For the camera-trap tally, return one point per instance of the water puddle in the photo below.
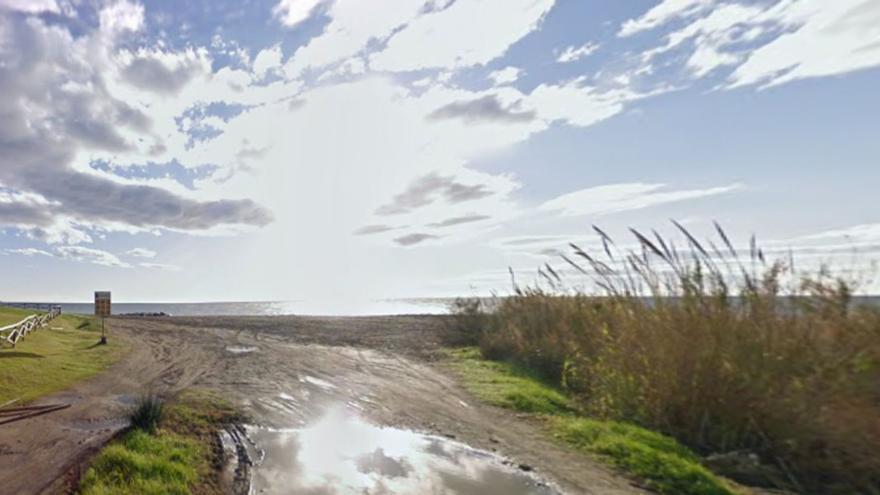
(239, 349)
(324, 384)
(341, 454)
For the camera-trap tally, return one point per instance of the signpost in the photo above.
(102, 309)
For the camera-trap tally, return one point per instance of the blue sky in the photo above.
(341, 150)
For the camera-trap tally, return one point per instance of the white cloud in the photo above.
(161, 266)
(662, 13)
(30, 6)
(615, 198)
(575, 53)
(141, 253)
(459, 35)
(506, 75)
(267, 60)
(293, 12)
(769, 44)
(353, 23)
(822, 39)
(29, 252)
(89, 255)
(120, 16)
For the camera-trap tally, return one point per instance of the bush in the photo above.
(147, 413)
(721, 351)
(467, 322)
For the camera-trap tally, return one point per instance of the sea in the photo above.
(412, 306)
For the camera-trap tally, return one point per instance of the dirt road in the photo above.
(285, 372)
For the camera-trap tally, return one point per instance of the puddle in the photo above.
(324, 384)
(238, 349)
(341, 454)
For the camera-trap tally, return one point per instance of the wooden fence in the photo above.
(17, 331)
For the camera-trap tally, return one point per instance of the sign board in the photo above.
(102, 303)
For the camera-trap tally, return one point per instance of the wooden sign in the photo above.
(102, 303)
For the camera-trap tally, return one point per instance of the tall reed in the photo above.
(721, 349)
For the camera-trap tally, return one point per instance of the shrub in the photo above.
(723, 351)
(147, 413)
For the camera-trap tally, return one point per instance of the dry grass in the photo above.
(720, 352)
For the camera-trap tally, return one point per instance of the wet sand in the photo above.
(410, 427)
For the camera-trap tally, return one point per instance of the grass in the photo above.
(147, 413)
(505, 385)
(665, 465)
(50, 360)
(140, 463)
(8, 315)
(716, 346)
(179, 457)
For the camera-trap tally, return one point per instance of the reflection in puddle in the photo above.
(341, 454)
(324, 384)
(240, 349)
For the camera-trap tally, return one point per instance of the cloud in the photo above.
(616, 198)
(449, 222)
(767, 44)
(30, 6)
(267, 60)
(662, 13)
(484, 109)
(413, 239)
(506, 75)
(373, 229)
(29, 252)
(353, 24)
(575, 53)
(160, 266)
(425, 190)
(460, 36)
(58, 107)
(89, 255)
(821, 39)
(121, 16)
(293, 12)
(141, 253)
(151, 72)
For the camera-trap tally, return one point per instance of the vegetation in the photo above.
(665, 465)
(52, 358)
(147, 413)
(177, 456)
(722, 350)
(8, 315)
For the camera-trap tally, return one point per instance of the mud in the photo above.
(290, 374)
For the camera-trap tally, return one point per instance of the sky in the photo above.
(345, 150)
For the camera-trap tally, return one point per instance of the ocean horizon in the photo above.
(262, 308)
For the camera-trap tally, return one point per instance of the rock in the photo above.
(745, 467)
(525, 467)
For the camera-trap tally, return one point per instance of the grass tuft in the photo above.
(147, 413)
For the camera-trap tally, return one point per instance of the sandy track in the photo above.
(380, 366)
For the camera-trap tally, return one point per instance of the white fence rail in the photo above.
(17, 331)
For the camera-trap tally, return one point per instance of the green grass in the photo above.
(665, 465)
(8, 316)
(48, 360)
(140, 463)
(179, 458)
(505, 385)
